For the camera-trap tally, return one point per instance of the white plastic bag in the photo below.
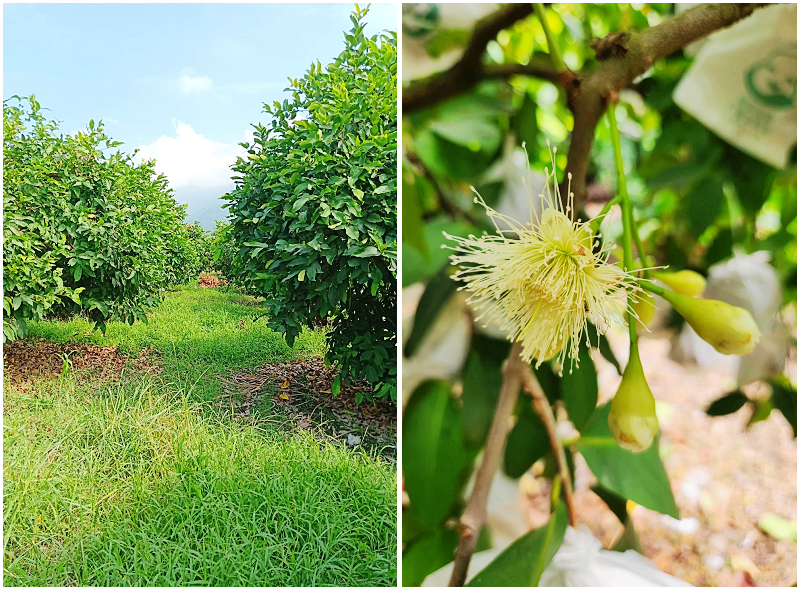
(743, 84)
(580, 562)
(442, 352)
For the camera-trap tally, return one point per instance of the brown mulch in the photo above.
(24, 360)
(302, 391)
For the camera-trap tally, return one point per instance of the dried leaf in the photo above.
(285, 384)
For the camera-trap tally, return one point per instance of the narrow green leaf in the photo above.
(784, 398)
(527, 441)
(523, 562)
(481, 380)
(427, 553)
(579, 389)
(605, 349)
(727, 404)
(434, 454)
(704, 203)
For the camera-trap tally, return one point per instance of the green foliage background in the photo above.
(85, 229)
(697, 198)
(313, 215)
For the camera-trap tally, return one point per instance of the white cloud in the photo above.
(190, 84)
(189, 159)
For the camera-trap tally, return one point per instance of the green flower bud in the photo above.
(632, 418)
(685, 282)
(729, 329)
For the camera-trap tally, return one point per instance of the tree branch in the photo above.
(545, 412)
(475, 511)
(632, 56)
(468, 70)
(538, 67)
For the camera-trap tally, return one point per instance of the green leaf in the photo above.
(419, 267)
(481, 380)
(427, 553)
(777, 527)
(549, 380)
(704, 203)
(727, 404)
(438, 292)
(579, 389)
(298, 204)
(618, 505)
(448, 159)
(525, 125)
(522, 563)
(413, 224)
(761, 411)
(527, 442)
(721, 248)
(608, 354)
(636, 476)
(474, 134)
(434, 454)
(784, 398)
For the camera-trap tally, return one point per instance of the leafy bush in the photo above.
(224, 250)
(313, 212)
(83, 229)
(190, 254)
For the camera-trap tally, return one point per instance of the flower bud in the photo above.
(685, 282)
(632, 419)
(729, 329)
(645, 308)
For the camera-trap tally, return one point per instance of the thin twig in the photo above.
(545, 412)
(475, 511)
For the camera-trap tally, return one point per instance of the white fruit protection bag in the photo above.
(580, 562)
(743, 84)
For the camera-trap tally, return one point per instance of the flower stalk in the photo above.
(627, 215)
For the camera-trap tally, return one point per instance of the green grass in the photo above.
(199, 333)
(139, 482)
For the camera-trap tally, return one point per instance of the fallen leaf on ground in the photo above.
(741, 563)
(777, 527)
(285, 384)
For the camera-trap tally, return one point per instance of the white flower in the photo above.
(544, 280)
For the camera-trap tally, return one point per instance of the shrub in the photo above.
(190, 254)
(314, 208)
(84, 229)
(224, 251)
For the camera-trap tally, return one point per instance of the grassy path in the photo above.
(138, 481)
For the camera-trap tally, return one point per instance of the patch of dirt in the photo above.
(301, 390)
(210, 280)
(31, 358)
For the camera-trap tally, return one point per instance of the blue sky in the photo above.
(183, 82)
